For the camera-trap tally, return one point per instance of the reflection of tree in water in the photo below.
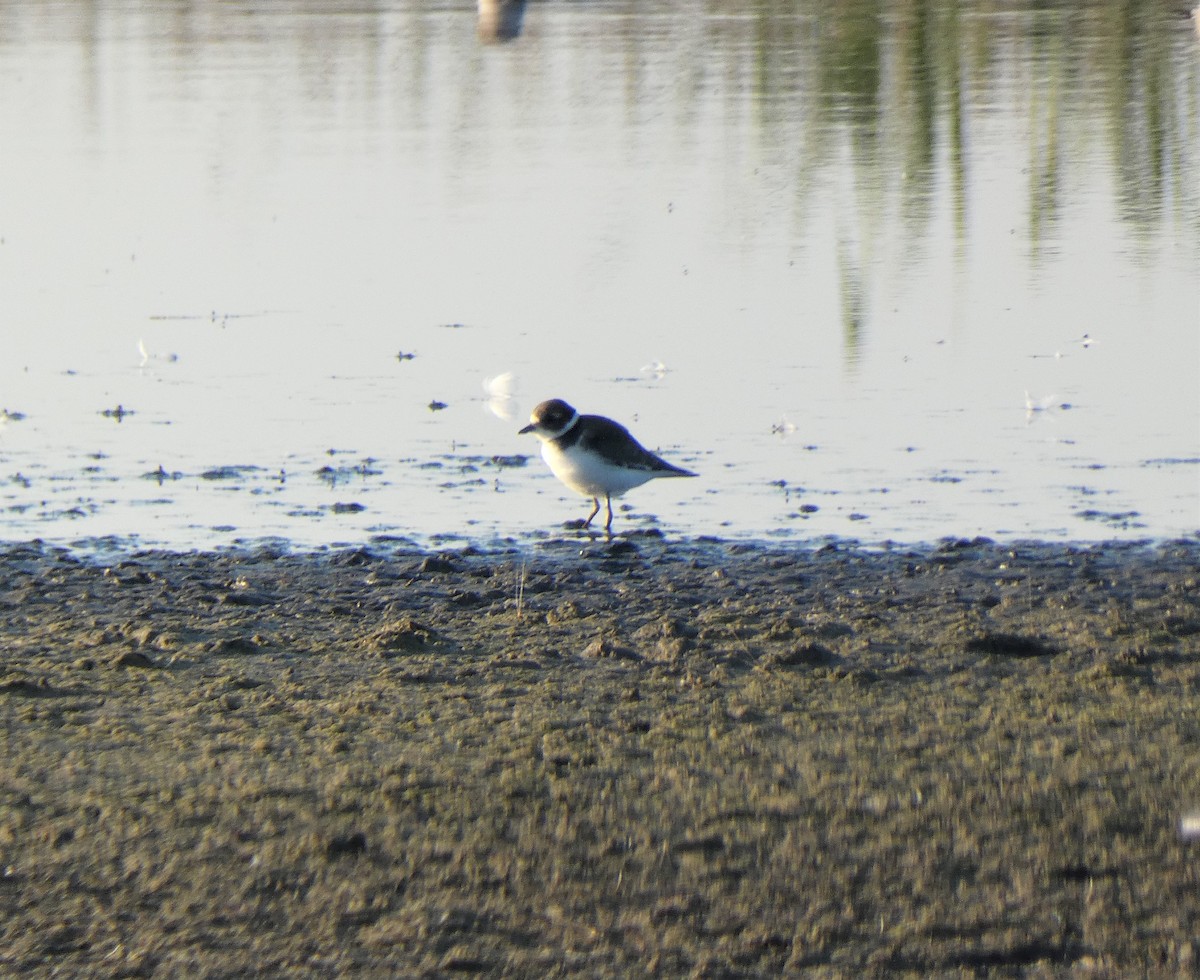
(896, 93)
(1045, 149)
(882, 109)
(1152, 118)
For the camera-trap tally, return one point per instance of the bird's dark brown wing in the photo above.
(614, 441)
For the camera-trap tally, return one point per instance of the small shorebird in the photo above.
(594, 456)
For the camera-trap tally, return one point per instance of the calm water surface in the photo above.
(890, 272)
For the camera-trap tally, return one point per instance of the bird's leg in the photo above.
(595, 511)
(608, 523)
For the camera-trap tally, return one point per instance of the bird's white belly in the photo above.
(590, 475)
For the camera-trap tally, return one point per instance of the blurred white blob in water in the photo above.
(147, 356)
(1035, 407)
(1189, 826)
(655, 369)
(500, 391)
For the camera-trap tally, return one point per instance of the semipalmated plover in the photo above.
(594, 456)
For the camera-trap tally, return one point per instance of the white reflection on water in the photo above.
(819, 255)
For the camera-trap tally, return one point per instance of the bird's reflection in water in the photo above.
(500, 20)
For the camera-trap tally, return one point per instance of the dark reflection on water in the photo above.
(910, 84)
(913, 80)
(906, 78)
(500, 20)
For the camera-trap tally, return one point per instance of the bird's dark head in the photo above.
(551, 419)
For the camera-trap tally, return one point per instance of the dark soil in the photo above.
(631, 760)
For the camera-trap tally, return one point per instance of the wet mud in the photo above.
(577, 758)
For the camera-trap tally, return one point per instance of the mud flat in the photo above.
(652, 758)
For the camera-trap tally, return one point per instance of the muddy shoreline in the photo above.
(574, 758)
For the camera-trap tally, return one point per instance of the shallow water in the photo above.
(890, 277)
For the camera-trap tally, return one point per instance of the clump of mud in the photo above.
(648, 758)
